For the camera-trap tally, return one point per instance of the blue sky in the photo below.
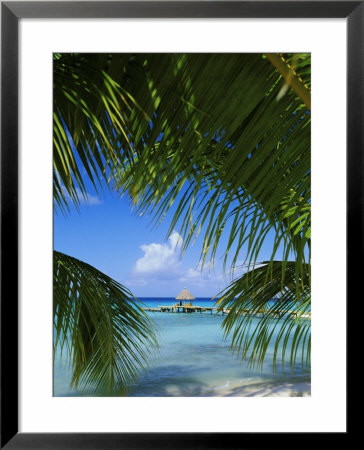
(108, 234)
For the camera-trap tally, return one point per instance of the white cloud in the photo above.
(160, 258)
(90, 200)
(161, 269)
(202, 277)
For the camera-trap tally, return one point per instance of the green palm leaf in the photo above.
(296, 70)
(90, 114)
(246, 148)
(105, 335)
(286, 322)
(223, 138)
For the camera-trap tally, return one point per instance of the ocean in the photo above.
(194, 360)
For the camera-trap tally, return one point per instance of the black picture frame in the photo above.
(11, 12)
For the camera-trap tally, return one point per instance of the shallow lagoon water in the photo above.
(195, 360)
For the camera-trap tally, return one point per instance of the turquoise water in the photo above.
(194, 360)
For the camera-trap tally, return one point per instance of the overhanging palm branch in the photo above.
(249, 165)
(224, 147)
(212, 135)
(98, 327)
(285, 321)
(296, 70)
(90, 114)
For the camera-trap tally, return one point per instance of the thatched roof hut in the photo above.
(185, 294)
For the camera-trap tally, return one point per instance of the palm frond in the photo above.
(105, 335)
(90, 114)
(270, 292)
(291, 69)
(235, 156)
(218, 137)
(178, 130)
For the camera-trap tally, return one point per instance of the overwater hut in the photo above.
(185, 296)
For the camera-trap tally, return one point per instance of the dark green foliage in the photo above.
(102, 331)
(287, 320)
(221, 137)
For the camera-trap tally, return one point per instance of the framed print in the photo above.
(196, 117)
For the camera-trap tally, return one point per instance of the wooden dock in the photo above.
(187, 309)
(184, 309)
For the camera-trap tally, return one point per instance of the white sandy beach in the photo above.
(242, 388)
(265, 389)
